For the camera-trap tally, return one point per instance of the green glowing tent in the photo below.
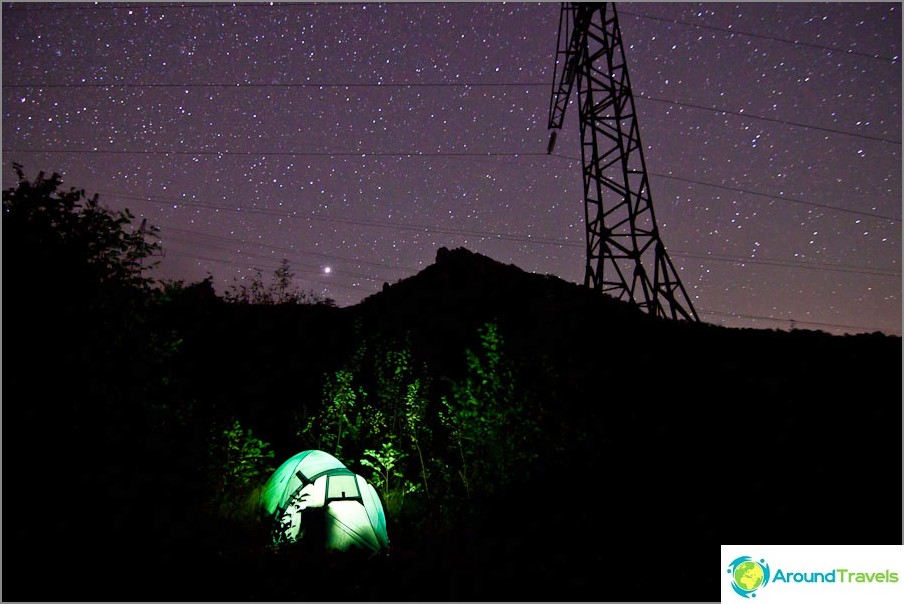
(314, 486)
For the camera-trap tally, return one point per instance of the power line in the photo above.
(376, 223)
(114, 5)
(286, 85)
(792, 321)
(763, 36)
(178, 240)
(283, 153)
(726, 258)
(500, 84)
(866, 270)
(428, 154)
(214, 245)
(222, 261)
(788, 199)
(674, 102)
(237, 85)
(826, 266)
(332, 257)
(270, 258)
(701, 311)
(767, 119)
(758, 193)
(356, 275)
(355, 221)
(185, 253)
(241, 5)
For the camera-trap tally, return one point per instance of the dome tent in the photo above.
(352, 514)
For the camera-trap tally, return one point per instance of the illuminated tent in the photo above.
(315, 485)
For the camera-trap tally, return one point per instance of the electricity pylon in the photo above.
(623, 244)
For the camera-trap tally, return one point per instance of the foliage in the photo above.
(384, 409)
(178, 292)
(67, 236)
(241, 463)
(481, 415)
(75, 269)
(383, 463)
(375, 411)
(454, 423)
(415, 423)
(386, 475)
(339, 421)
(281, 290)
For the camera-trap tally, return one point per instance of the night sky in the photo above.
(356, 139)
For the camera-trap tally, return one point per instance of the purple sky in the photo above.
(250, 133)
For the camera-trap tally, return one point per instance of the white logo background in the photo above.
(819, 558)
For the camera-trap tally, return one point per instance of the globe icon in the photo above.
(748, 575)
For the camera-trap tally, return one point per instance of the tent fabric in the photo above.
(347, 526)
(285, 481)
(352, 512)
(374, 510)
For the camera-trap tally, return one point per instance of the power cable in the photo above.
(115, 5)
(866, 270)
(701, 311)
(439, 154)
(319, 281)
(792, 321)
(767, 119)
(294, 263)
(332, 257)
(246, 254)
(788, 199)
(841, 268)
(757, 193)
(763, 36)
(282, 153)
(192, 6)
(674, 102)
(289, 85)
(825, 266)
(354, 221)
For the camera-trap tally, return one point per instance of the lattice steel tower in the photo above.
(623, 244)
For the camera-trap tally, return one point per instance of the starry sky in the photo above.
(356, 139)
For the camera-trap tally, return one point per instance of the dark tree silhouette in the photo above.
(52, 236)
(81, 361)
